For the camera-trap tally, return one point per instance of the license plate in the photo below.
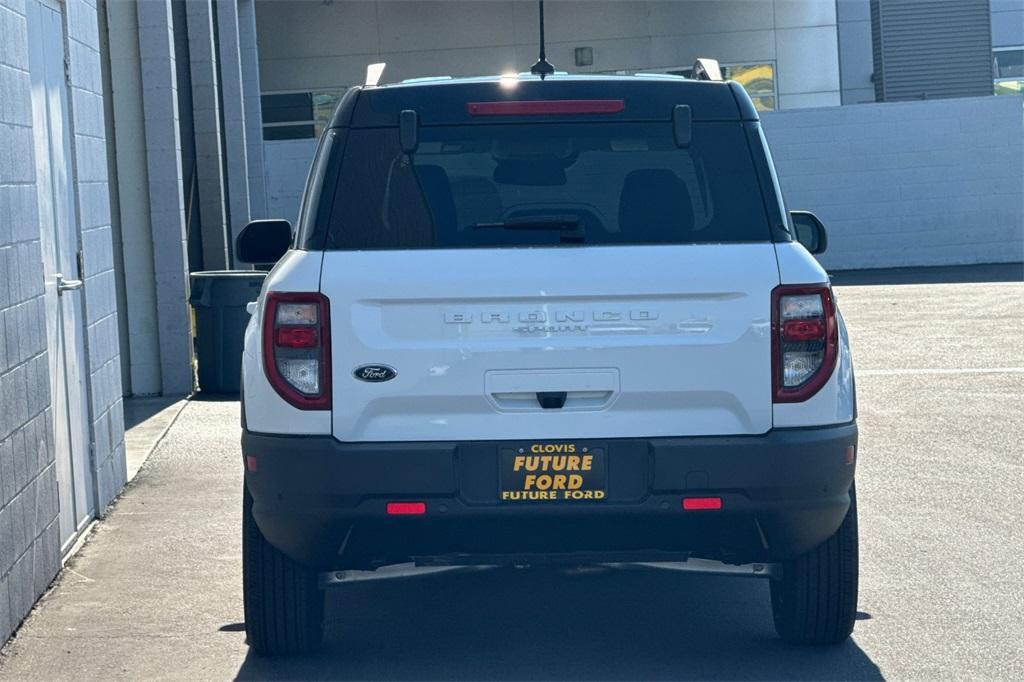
(553, 472)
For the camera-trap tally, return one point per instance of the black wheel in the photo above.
(815, 602)
(284, 607)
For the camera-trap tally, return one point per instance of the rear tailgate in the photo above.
(474, 335)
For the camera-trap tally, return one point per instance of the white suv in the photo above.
(529, 320)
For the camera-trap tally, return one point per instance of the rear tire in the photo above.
(284, 607)
(815, 602)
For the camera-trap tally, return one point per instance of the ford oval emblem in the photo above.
(374, 373)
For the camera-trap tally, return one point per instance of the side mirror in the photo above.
(809, 231)
(263, 241)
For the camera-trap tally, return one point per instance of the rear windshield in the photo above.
(546, 184)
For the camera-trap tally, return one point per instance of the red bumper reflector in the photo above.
(406, 508)
(546, 107)
(851, 454)
(695, 503)
(250, 463)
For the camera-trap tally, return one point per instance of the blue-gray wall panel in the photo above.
(29, 532)
(1007, 23)
(910, 183)
(29, 543)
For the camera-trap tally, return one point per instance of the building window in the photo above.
(757, 79)
(1008, 70)
(297, 115)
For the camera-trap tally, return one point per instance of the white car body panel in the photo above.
(688, 354)
(647, 341)
(265, 410)
(835, 402)
(797, 265)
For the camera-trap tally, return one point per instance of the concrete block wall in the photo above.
(206, 125)
(127, 123)
(29, 533)
(250, 57)
(902, 184)
(166, 193)
(106, 414)
(233, 117)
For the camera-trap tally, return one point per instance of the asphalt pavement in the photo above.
(155, 592)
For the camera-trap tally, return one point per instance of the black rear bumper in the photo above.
(323, 502)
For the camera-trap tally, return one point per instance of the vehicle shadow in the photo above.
(600, 624)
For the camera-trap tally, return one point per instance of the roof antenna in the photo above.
(543, 67)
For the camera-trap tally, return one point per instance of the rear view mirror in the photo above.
(809, 231)
(263, 241)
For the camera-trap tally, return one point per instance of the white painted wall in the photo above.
(310, 44)
(938, 182)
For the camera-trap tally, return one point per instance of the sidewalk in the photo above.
(157, 583)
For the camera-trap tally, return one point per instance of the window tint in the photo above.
(546, 184)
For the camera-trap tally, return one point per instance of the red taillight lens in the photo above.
(804, 340)
(546, 107)
(803, 330)
(296, 337)
(297, 349)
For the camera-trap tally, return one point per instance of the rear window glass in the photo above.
(546, 184)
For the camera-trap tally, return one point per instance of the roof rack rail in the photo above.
(426, 79)
(666, 76)
(527, 74)
(705, 69)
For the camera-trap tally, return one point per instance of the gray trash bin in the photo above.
(219, 298)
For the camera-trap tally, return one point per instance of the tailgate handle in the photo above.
(551, 400)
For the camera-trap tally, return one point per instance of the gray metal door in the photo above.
(58, 228)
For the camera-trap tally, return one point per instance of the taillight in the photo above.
(804, 340)
(297, 348)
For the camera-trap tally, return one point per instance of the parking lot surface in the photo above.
(155, 593)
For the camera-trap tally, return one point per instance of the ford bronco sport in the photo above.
(526, 320)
